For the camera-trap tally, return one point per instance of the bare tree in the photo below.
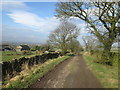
(101, 17)
(65, 32)
(86, 43)
(91, 43)
(74, 46)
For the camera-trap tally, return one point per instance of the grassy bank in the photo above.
(28, 77)
(108, 75)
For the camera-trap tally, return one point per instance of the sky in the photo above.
(31, 22)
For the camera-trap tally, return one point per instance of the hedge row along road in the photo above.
(72, 73)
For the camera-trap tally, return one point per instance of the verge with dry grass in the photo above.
(28, 76)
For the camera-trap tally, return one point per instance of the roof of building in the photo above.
(23, 46)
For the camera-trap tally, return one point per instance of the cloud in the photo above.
(22, 34)
(32, 20)
(40, 24)
(92, 11)
(13, 6)
(33, 28)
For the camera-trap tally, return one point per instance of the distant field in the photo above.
(11, 55)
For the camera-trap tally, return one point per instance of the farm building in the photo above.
(6, 48)
(22, 48)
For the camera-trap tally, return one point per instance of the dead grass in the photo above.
(27, 76)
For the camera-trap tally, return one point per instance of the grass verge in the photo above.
(108, 75)
(23, 81)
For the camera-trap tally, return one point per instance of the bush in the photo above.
(27, 53)
(111, 61)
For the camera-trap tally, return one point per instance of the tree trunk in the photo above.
(64, 49)
(106, 54)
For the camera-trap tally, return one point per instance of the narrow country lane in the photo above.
(72, 73)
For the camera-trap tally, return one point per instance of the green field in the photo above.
(11, 55)
(108, 75)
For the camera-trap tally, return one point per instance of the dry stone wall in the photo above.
(12, 68)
